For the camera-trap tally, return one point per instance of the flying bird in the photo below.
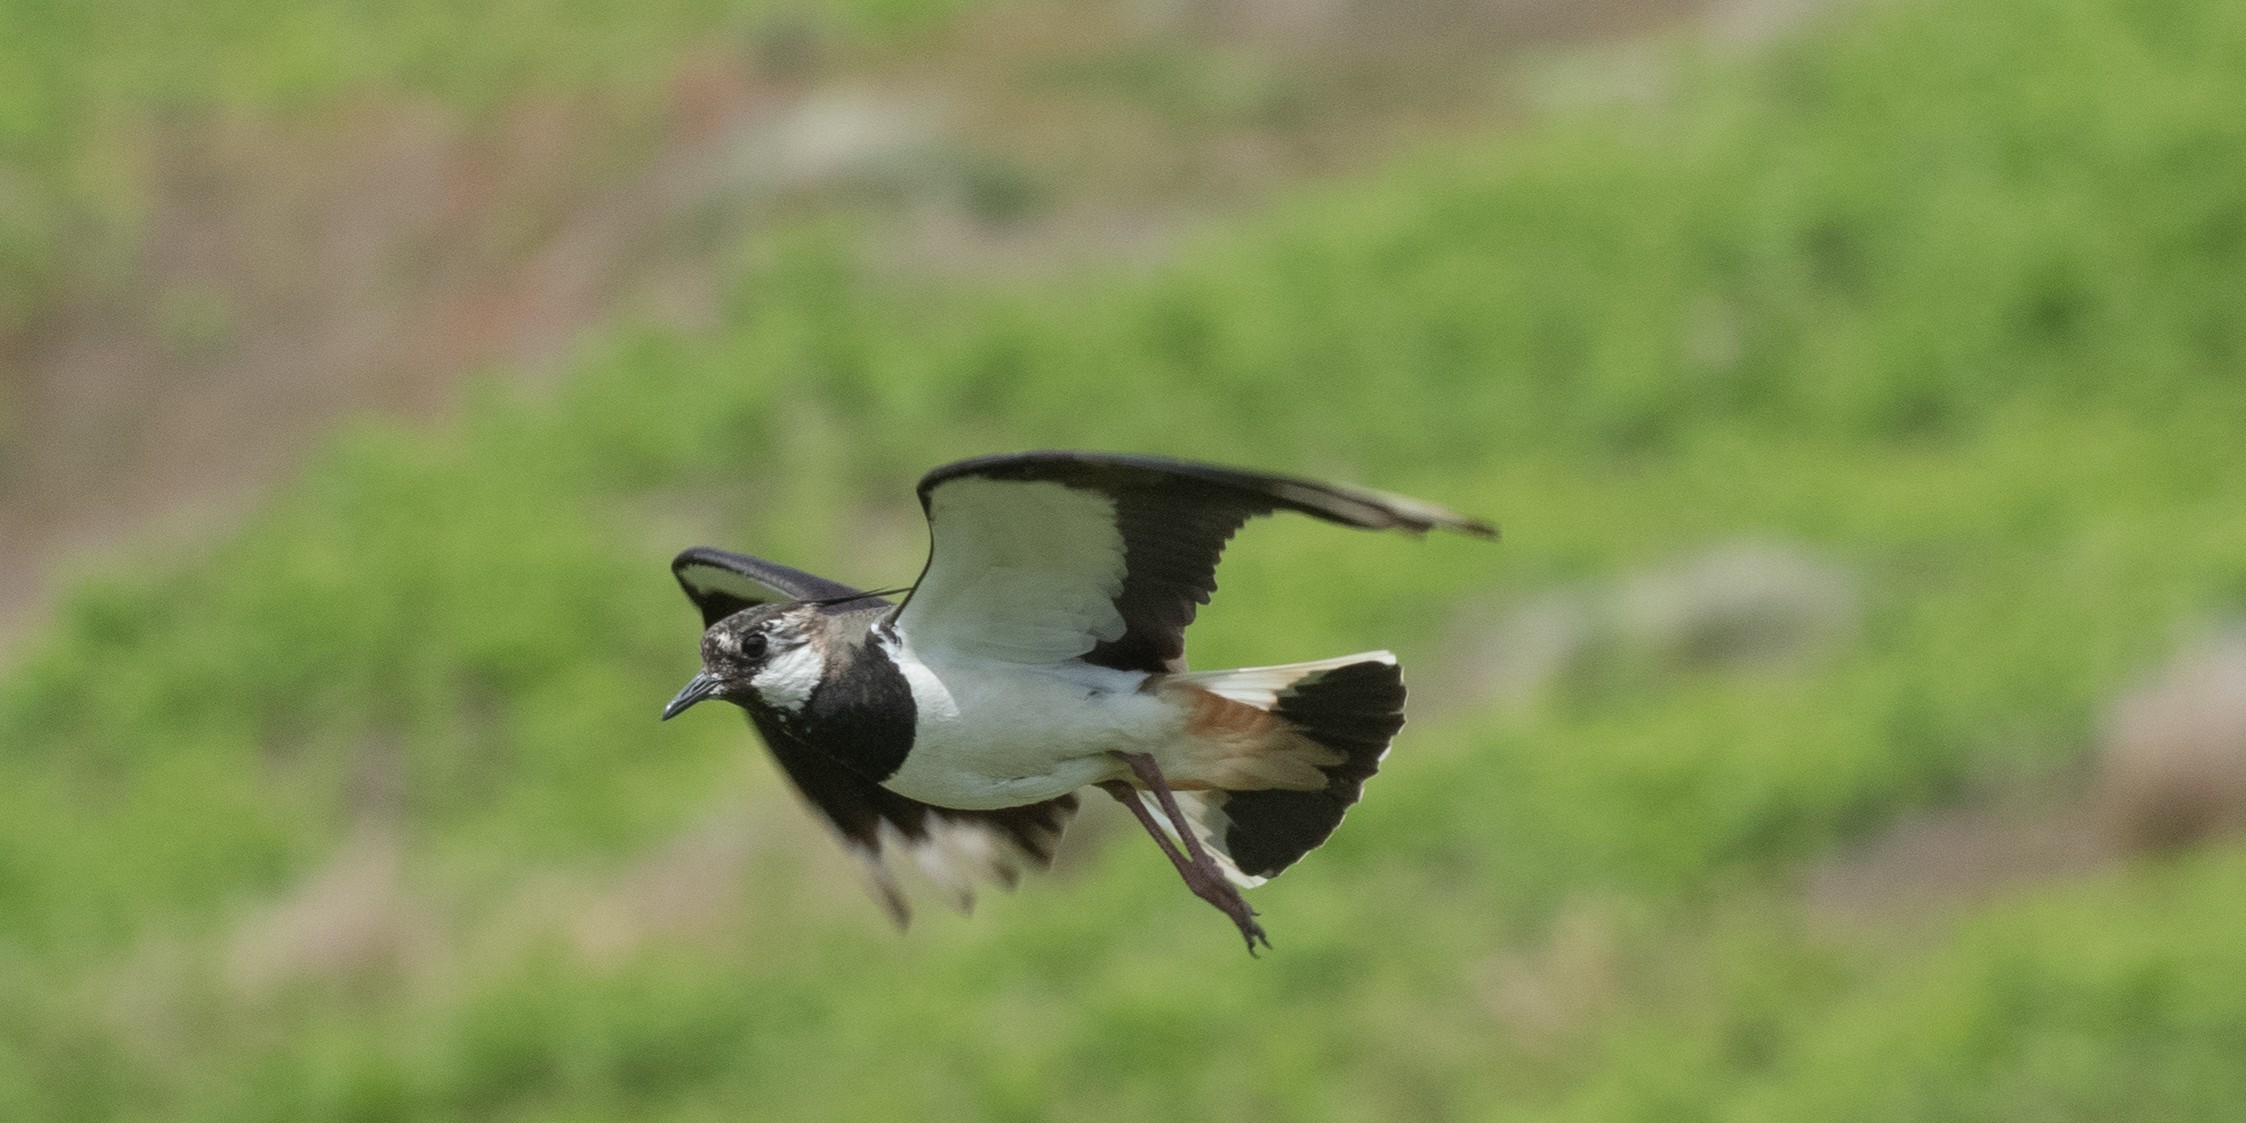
(1042, 651)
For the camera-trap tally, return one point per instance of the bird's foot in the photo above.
(1199, 870)
(1210, 884)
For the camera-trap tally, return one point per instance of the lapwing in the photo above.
(1041, 652)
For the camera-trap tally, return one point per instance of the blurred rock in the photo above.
(2172, 757)
(1933, 864)
(2170, 772)
(1741, 605)
(1512, 659)
(1750, 23)
(1627, 73)
(839, 140)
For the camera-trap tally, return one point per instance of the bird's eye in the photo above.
(752, 645)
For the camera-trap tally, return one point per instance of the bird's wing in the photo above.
(721, 582)
(955, 849)
(1041, 557)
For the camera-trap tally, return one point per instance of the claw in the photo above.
(1198, 869)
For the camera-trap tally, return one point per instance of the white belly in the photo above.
(994, 734)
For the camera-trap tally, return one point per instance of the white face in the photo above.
(777, 658)
(790, 674)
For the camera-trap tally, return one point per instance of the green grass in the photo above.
(1888, 293)
(83, 86)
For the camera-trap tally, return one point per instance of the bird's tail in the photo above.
(1334, 719)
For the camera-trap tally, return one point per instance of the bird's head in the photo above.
(771, 656)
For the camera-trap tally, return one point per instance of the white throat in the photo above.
(786, 681)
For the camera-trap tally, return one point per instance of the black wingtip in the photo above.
(721, 582)
(1476, 528)
(1418, 515)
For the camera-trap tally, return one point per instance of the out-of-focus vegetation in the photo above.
(82, 84)
(1945, 292)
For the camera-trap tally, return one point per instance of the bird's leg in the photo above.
(1198, 869)
(1202, 877)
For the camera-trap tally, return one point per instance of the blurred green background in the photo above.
(1852, 724)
